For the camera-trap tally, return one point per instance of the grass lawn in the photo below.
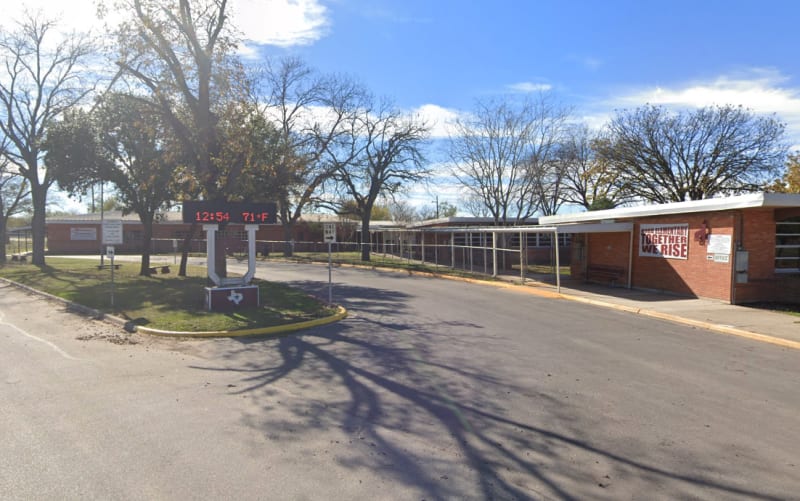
(167, 302)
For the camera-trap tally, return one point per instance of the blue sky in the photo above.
(436, 57)
(595, 56)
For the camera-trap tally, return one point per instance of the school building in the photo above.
(737, 249)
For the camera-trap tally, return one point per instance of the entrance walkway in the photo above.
(754, 323)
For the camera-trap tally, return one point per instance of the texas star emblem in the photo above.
(236, 297)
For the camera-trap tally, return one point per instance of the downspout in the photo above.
(738, 228)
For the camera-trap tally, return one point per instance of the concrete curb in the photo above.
(722, 329)
(75, 307)
(710, 326)
(130, 326)
(261, 331)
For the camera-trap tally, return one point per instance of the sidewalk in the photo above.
(763, 325)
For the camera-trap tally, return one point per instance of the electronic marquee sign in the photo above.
(230, 212)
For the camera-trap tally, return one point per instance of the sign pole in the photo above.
(330, 282)
(110, 253)
(329, 233)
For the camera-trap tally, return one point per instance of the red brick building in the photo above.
(82, 234)
(738, 249)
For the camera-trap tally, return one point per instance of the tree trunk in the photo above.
(288, 239)
(38, 228)
(365, 239)
(3, 235)
(186, 247)
(147, 237)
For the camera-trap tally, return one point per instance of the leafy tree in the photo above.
(145, 159)
(43, 79)
(672, 157)
(181, 52)
(113, 203)
(380, 153)
(440, 210)
(74, 154)
(601, 203)
(124, 143)
(790, 181)
(504, 155)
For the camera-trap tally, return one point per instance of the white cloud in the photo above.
(528, 87)
(272, 22)
(280, 22)
(438, 118)
(762, 91)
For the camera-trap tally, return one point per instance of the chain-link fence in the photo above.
(524, 252)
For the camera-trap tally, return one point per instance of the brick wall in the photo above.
(697, 275)
(700, 275)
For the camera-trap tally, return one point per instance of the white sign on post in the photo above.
(110, 252)
(329, 231)
(112, 231)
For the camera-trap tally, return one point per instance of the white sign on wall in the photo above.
(669, 241)
(83, 233)
(719, 244)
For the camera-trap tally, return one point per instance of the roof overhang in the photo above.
(750, 201)
(595, 228)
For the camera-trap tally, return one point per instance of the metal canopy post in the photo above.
(558, 263)
(521, 259)
(452, 250)
(422, 237)
(494, 254)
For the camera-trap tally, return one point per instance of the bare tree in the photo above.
(44, 77)
(14, 199)
(310, 112)
(672, 157)
(475, 206)
(504, 155)
(380, 154)
(403, 211)
(588, 180)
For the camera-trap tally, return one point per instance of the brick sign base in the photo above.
(225, 299)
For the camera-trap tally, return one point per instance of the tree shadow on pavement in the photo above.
(389, 400)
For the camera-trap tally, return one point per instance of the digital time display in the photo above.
(229, 212)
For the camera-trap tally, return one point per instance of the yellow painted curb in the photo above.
(260, 331)
(721, 329)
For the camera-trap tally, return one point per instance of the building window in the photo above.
(540, 240)
(133, 236)
(787, 245)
